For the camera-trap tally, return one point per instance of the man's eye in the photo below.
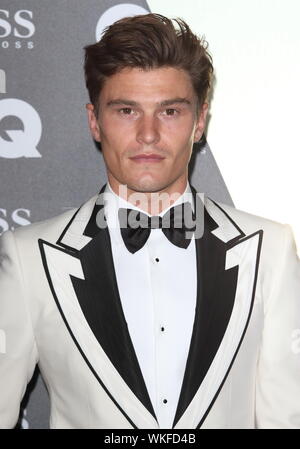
(171, 111)
(126, 111)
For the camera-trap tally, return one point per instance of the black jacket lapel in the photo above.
(99, 299)
(98, 296)
(225, 295)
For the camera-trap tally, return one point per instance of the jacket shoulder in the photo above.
(51, 228)
(278, 239)
(247, 221)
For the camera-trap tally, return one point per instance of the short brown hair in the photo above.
(147, 41)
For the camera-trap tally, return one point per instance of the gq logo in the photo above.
(18, 216)
(18, 25)
(20, 143)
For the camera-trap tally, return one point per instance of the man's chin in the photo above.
(146, 187)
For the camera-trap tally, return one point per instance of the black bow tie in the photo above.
(136, 226)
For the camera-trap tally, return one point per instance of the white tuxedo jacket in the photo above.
(60, 307)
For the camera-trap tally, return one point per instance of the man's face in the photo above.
(147, 124)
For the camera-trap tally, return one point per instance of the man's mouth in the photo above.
(147, 158)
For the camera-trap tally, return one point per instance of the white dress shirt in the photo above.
(157, 286)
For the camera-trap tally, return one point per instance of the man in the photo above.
(151, 306)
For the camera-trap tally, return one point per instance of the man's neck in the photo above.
(152, 203)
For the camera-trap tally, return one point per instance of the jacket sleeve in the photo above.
(278, 375)
(18, 351)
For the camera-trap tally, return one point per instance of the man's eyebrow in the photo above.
(169, 102)
(122, 101)
(175, 101)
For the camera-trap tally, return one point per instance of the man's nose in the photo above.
(148, 130)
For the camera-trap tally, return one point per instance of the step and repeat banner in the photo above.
(48, 161)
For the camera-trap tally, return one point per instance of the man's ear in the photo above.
(201, 122)
(93, 122)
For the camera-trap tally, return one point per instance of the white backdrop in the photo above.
(255, 121)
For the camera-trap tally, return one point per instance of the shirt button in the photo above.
(157, 259)
(165, 401)
(162, 328)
